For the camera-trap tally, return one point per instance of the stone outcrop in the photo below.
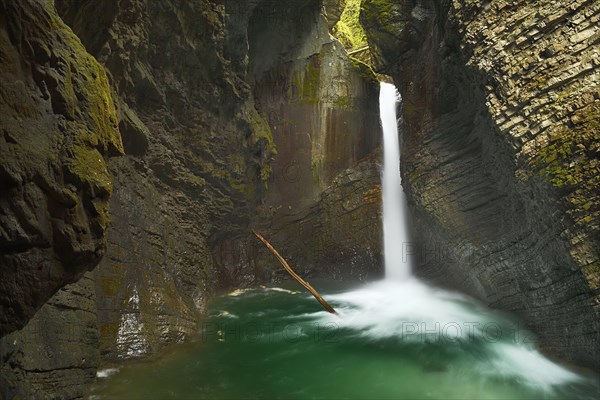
(58, 128)
(501, 153)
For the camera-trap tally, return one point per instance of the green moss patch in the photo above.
(305, 82)
(89, 170)
(571, 162)
(348, 29)
(382, 15)
(86, 86)
(364, 70)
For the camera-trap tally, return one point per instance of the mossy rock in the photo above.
(348, 29)
(262, 137)
(364, 71)
(384, 16)
(89, 170)
(383, 23)
(571, 162)
(86, 85)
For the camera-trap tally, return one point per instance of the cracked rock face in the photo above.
(500, 154)
(57, 353)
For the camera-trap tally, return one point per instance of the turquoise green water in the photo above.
(391, 341)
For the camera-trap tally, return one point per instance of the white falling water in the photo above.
(396, 244)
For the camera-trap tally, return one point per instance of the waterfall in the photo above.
(407, 339)
(396, 244)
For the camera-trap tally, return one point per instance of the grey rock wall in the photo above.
(57, 354)
(322, 202)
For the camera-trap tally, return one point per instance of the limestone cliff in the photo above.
(501, 153)
(232, 114)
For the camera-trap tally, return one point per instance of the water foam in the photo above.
(411, 311)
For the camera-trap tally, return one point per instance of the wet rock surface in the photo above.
(500, 154)
(340, 237)
(57, 354)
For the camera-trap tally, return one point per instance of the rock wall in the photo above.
(196, 90)
(57, 354)
(322, 208)
(501, 153)
(196, 154)
(58, 127)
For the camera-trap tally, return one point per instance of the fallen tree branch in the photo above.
(289, 269)
(358, 50)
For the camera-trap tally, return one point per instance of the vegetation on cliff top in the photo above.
(348, 29)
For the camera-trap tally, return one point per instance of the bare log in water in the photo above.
(289, 269)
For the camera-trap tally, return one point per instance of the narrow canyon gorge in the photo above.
(142, 140)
